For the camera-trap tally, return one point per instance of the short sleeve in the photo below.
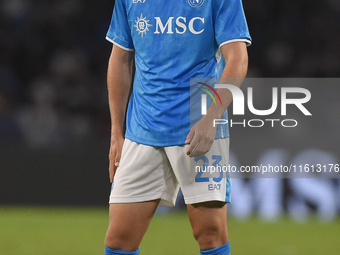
(230, 22)
(119, 32)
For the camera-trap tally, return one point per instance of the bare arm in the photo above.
(202, 135)
(119, 80)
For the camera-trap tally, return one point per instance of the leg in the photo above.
(128, 224)
(142, 181)
(206, 194)
(209, 223)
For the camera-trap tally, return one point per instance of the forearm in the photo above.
(119, 81)
(234, 72)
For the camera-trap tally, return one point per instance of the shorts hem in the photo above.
(206, 198)
(165, 200)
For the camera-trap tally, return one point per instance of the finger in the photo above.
(188, 151)
(111, 171)
(195, 151)
(187, 141)
(202, 148)
(190, 136)
(193, 146)
(117, 160)
(115, 164)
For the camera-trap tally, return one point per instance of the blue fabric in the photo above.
(222, 250)
(173, 42)
(228, 190)
(109, 251)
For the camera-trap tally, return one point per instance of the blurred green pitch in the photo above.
(70, 231)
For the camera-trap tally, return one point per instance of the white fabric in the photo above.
(147, 173)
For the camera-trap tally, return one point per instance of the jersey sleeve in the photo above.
(119, 32)
(230, 22)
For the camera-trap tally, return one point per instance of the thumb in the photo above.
(187, 141)
(190, 136)
(113, 166)
(117, 159)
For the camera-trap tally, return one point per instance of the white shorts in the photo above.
(147, 173)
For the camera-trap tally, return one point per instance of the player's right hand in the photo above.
(114, 154)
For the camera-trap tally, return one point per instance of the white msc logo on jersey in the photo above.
(196, 3)
(180, 25)
(142, 25)
(138, 1)
(194, 25)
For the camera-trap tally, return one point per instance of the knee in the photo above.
(114, 240)
(120, 240)
(210, 236)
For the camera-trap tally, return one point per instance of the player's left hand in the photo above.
(201, 137)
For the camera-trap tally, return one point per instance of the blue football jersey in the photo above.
(173, 41)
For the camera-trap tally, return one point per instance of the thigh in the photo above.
(204, 178)
(128, 224)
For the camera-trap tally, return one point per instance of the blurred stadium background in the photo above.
(55, 128)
